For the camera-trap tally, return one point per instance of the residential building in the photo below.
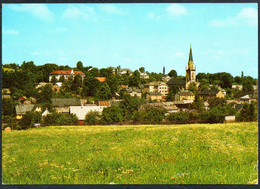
(144, 76)
(212, 93)
(248, 98)
(41, 84)
(66, 73)
(105, 103)
(61, 105)
(6, 93)
(46, 112)
(21, 109)
(239, 87)
(57, 87)
(163, 89)
(134, 92)
(82, 111)
(230, 118)
(157, 87)
(166, 78)
(125, 71)
(154, 96)
(185, 95)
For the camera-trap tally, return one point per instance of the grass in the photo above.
(151, 154)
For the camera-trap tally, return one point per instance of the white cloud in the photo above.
(176, 10)
(250, 15)
(40, 11)
(80, 11)
(12, 32)
(111, 9)
(246, 15)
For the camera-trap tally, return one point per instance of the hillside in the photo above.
(151, 154)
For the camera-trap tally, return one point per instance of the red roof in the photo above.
(103, 103)
(101, 79)
(65, 72)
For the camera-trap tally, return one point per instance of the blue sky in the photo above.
(223, 36)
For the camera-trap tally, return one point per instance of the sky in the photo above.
(223, 36)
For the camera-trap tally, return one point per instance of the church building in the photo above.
(190, 71)
(184, 83)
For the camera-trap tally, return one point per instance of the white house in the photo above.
(82, 111)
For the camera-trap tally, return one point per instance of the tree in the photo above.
(202, 76)
(142, 69)
(197, 104)
(172, 91)
(45, 94)
(29, 119)
(226, 81)
(238, 80)
(113, 83)
(129, 105)
(80, 66)
(247, 113)
(53, 80)
(112, 115)
(8, 106)
(134, 80)
(91, 84)
(103, 92)
(62, 79)
(30, 90)
(106, 72)
(46, 69)
(76, 84)
(172, 73)
(94, 72)
(247, 86)
(192, 87)
(29, 66)
(149, 115)
(217, 102)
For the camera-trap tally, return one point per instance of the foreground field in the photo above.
(158, 154)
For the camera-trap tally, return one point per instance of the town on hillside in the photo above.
(49, 94)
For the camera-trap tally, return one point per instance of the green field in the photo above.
(151, 154)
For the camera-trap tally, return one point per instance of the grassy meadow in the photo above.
(132, 154)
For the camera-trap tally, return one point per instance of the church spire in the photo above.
(190, 56)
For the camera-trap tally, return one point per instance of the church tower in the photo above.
(191, 70)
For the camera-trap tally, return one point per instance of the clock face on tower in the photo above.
(193, 76)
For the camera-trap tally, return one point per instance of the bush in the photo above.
(51, 119)
(29, 119)
(179, 117)
(129, 105)
(216, 114)
(247, 113)
(60, 119)
(92, 118)
(64, 119)
(150, 115)
(112, 115)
